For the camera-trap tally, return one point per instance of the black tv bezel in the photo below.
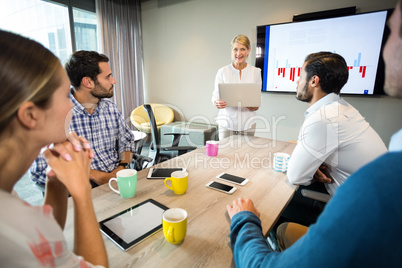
(327, 14)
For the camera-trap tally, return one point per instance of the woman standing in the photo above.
(34, 112)
(236, 120)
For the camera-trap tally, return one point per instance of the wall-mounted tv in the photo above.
(359, 38)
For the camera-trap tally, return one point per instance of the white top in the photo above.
(235, 118)
(31, 237)
(336, 134)
(395, 144)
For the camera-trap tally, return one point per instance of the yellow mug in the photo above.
(174, 225)
(179, 182)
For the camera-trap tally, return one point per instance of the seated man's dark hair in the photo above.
(84, 64)
(330, 67)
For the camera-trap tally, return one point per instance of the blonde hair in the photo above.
(27, 72)
(241, 39)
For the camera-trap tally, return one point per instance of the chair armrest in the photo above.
(138, 157)
(140, 160)
(180, 148)
(176, 138)
(175, 144)
(176, 134)
(316, 195)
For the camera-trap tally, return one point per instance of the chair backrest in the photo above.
(154, 149)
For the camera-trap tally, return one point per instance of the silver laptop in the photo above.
(241, 94)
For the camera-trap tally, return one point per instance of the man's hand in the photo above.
(322, 175)
(242, 205)
(101, 177)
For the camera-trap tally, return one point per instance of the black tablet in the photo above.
(131, 226)
(162, 173)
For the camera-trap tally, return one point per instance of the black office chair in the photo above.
(155, 146)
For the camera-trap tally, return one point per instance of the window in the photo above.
(85, 29)
(49, 24)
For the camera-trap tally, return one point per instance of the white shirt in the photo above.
(395, 144)
(235, 118)
(31, 237)
(333, 133)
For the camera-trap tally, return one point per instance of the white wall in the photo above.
(185, 42)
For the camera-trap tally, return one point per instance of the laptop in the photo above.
(240, 94)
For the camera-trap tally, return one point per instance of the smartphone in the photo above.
(221, 187)
(232, 178)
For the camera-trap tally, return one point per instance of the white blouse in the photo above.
(31, 237)
(235, 118)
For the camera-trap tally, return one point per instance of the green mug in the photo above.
(126, 182)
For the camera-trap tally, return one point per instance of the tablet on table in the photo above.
(131, 226)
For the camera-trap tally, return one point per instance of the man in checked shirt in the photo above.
(95, 117)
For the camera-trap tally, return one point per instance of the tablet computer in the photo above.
(131, 226)
(162, 173)
(241, 94)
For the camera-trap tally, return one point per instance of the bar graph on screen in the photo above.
(293, 73)
(357, 38)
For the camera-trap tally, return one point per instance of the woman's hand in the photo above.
(242, 205)
(79, 144)
(220, 104)
(70, 161)
(71, 167)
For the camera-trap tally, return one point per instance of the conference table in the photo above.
(207, 243)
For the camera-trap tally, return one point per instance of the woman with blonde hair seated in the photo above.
(34, 113)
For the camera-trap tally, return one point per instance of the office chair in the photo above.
(155, 147)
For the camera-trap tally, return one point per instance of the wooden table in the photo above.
(207, 243)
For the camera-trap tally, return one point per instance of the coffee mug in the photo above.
(174, 223)
(281, 161)
(126, 181)
(212, 148)
(179, 182)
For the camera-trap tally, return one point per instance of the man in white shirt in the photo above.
(362, 223)
(334, 140)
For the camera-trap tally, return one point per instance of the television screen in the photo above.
(282, 48)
